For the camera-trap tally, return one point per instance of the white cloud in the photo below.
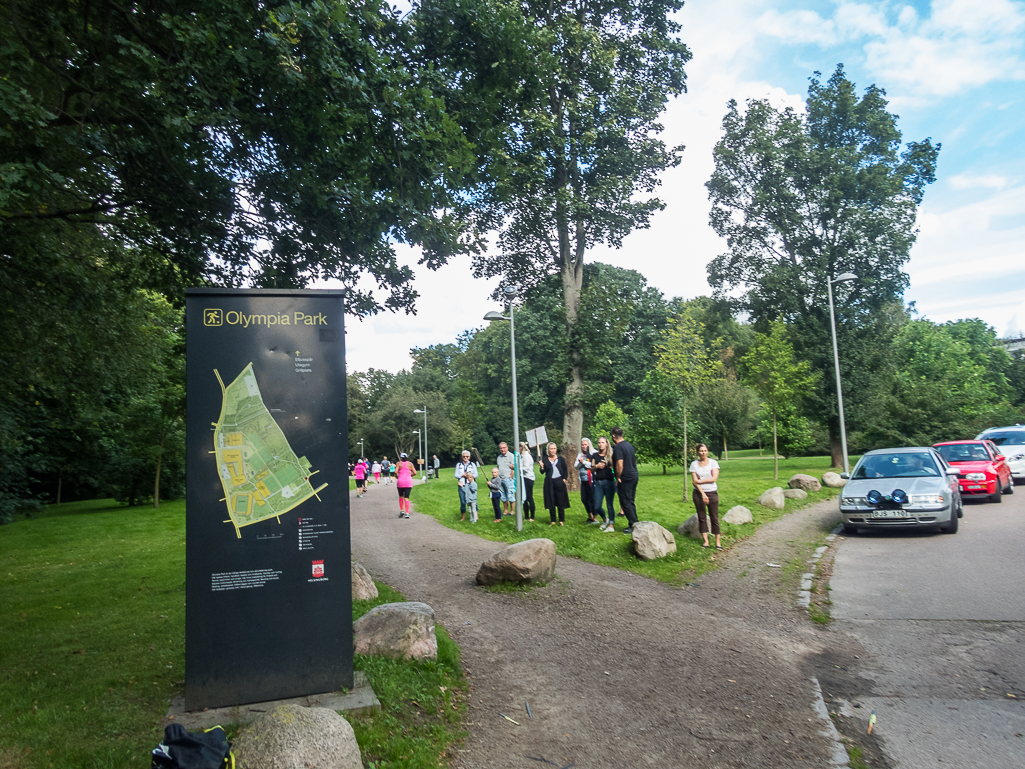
(972, 181)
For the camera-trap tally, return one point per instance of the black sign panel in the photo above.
(268, 580)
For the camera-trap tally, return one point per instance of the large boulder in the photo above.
(773, 498)
(833, 480)
(527, 563)
(294, 737)
(363, 587)
(400, 630)
(795, 493)
(738, 516)
(651, 541)
(689, 528)
(806, 482)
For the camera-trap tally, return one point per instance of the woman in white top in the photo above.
(527, 469)
(705, 472)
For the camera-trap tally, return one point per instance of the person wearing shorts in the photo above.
(360, 473)
(404, 471)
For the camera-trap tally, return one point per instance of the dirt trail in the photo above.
(619, 670)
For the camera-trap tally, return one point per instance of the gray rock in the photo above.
(689, 528)
(652, 541)
(294, 737)
(400, 630)
(773, 498)
(795, 493)
(806, 482)
(527, 563)
(738, 516)
(363, 587)
(833, 480)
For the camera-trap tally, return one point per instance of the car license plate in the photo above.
(975, 486)
(888, 514)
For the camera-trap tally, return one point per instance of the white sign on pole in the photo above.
(537, 436)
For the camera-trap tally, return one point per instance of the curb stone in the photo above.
(839, 757)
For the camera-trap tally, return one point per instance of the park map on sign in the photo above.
(261, 474)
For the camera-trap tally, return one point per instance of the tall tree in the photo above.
(687, 363)
(802, 199)
(578, 123)
(771, 369)
(656, 426)
(724, 408)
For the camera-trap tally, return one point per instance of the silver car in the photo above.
(901, 487)
(1010, 441)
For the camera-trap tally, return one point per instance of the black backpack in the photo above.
(193, 750)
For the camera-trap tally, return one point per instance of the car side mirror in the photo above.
(845, 476)
(951, 471)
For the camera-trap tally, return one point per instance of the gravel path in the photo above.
(619, 670)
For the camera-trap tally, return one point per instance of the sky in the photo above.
(953, 70)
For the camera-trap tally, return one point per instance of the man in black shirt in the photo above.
(624, 459)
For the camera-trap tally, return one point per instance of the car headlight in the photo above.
(853, 501)
(975, 477)
(927, 499)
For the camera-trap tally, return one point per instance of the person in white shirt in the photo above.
(527, 470)
(705, 473)
(466, 472)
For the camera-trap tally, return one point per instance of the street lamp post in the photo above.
(423, 469)
(836, 363)
(417, 432)
(510, 295)
(361, 448)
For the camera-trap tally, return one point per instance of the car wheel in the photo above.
(951, 527)
(998, 495)
(850, 530)
(1009, 489)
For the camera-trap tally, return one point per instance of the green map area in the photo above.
(261, 474)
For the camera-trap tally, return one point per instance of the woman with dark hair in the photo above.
(527, 471)
(553, 467)
(705, 472)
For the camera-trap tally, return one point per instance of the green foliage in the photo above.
(392, 424)
(609, 415)
(656, 426)
(723, 410)
(802, 199)
(793, 434)
(781, 381)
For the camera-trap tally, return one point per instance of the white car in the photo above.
(1010, 441)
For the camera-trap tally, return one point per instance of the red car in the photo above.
(981, 469)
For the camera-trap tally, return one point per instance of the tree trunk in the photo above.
(835, 451)
(572, 274)
(686, 453)
(665, 470)
(725, 450)
(775, 451)
(60, 483)
(156, 483)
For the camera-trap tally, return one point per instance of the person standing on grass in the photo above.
(506, 463)
(624, 461)
(553, 467)
(603, 484)
(404, 472)
(495, 492)
(583, 465)
(527, 471)
(466, 472)
(705, 474)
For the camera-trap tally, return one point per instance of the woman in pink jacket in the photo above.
(404, 471)
(359, 472)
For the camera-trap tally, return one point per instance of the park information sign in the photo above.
(268, 582)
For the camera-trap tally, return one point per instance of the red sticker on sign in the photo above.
(318, 568)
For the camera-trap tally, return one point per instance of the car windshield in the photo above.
(964, 452)
(1010, 438)
(902, 465)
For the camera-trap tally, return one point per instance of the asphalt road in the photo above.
(941, 619)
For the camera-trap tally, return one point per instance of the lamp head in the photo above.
(492, 315)
(418, 411)
(846, 276)
(510, 292)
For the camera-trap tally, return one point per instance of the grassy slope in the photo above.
(92, 648)
(659, 498)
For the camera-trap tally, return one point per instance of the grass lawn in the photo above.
(92, 648)
(659, 498)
